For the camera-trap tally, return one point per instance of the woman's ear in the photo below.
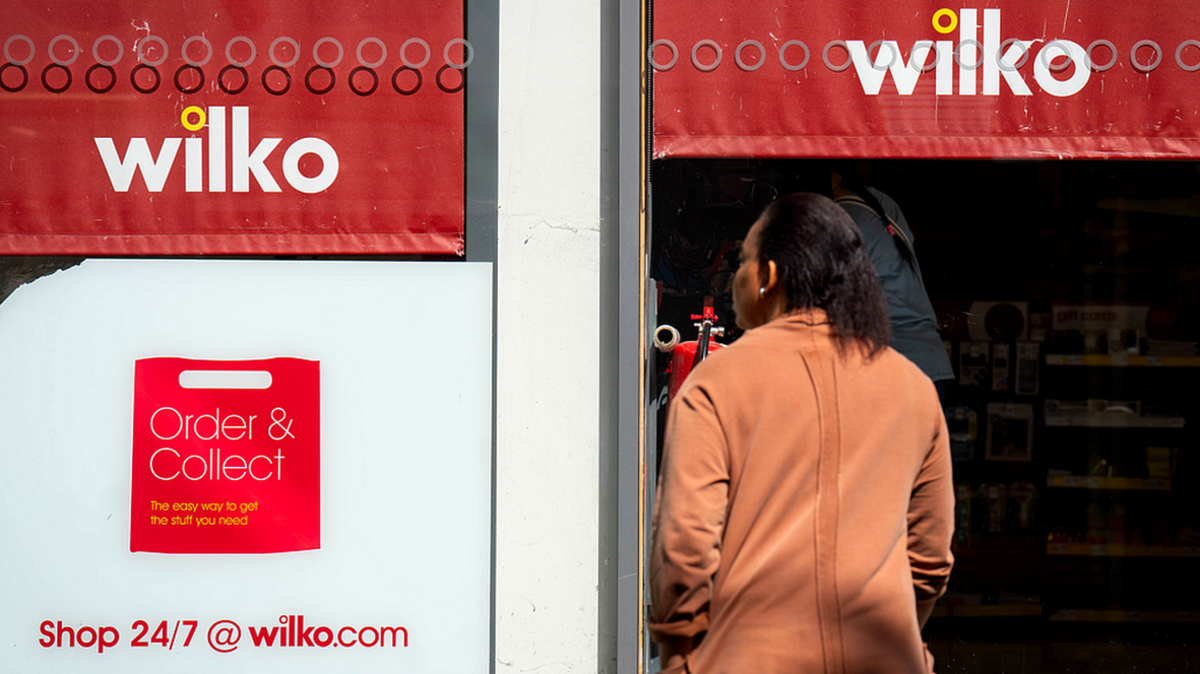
(771, 272)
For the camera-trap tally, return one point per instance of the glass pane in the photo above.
(1066, 293)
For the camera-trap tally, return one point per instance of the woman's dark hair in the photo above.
(822, 263)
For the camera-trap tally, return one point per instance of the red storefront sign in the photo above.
(1064, 78)
(173, 128)
(226, 456)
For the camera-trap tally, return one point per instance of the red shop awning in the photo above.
(1027, 79)
(210, 127)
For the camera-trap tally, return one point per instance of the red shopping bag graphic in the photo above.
(226, 456)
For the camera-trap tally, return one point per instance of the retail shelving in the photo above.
(1122, 360)
(1109, 483)
(1124, 616)
(988, 611)
(1120, 550)
(1113, 421)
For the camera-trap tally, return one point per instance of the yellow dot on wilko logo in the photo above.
(201, 118)
(937, 21)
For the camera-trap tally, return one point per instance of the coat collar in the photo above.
(811, 317)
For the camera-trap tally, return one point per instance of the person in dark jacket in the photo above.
(890, 245)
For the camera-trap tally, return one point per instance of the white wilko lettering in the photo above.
(246, 160)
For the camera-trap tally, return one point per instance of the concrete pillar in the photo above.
(548, 304)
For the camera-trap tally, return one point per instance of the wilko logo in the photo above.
(244, 161)
(292, 633)
(998, 59)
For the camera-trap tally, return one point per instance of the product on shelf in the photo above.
(974, 366)
(1000, 367)
(962, 515)
(1021, 497)
(1039, 327)
(996, 497)
(1010, 432)
(963, 424)
(1028, 369)
(1096, 412)
(1158, 461)
(1168, 347)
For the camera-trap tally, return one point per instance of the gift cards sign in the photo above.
(226, 456)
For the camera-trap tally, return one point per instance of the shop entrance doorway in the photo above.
(1068, 296)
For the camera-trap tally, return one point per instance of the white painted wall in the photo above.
(548, 346)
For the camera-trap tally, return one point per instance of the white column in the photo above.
(548, 348)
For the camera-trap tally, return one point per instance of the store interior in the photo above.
(1068, 295)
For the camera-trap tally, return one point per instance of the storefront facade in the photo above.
(529, 191)
(562, 161)
(1044, 154)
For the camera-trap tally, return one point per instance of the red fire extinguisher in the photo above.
(689, 354)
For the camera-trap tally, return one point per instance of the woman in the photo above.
(805, 506)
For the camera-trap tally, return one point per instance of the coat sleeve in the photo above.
(931, 522)
(689, 518)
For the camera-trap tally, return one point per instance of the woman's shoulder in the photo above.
(766, 346)
(744, 358)
(901, 376)
(760, 357)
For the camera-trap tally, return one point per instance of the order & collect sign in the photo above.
(224, 469)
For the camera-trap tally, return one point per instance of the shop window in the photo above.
(1068, 296)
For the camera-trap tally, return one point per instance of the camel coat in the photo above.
(805, 508)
